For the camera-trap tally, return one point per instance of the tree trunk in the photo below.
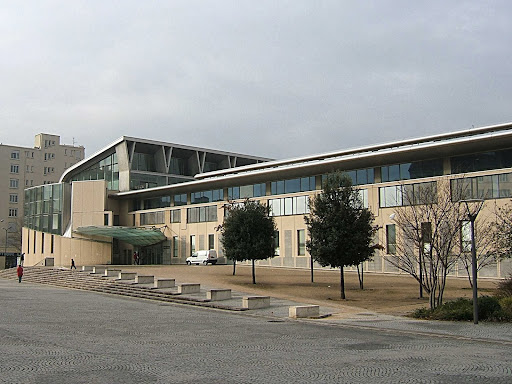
(312, 269)
(253, 273)
(360, 276)
(234, 267)
(342, 284)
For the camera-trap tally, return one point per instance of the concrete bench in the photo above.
(112, 272)
(218, 294)
(127, 275)
(164, 283)
(144, 279)
(87, 268)
(99, 270)
(301, 311)
(255, 302)
(189, 288)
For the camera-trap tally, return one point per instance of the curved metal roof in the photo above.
(134, 236)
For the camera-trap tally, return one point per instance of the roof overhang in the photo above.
(135, 236)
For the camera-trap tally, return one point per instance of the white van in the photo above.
(203, 257)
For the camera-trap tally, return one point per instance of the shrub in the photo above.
(489, 309)
(506, 308)
(504, 288)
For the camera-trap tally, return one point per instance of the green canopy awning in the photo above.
(135, 236)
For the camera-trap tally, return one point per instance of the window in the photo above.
(15, 168)
(13, 212)
(482, 187)
(247, 191)
(303, 184)
(192, 244)
(52, 243)
(15, 155)
(177, 166)
(175, 246)
(426, 237)
(180, 199)
(358, 176)
(152, 218)
(301, 242)
(409, 194)
(13, 198)
(176, 216)
(414, 170)
(206, 196)
(105, 219)
(211, 241)
(465, 236)
(276, 243)
(391, 239)
(42, 242)
(297, 205)
(202, 214)
(13, 183)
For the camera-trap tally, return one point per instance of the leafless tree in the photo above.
(428, 245)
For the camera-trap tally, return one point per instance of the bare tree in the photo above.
(428, 222)
(432, 226)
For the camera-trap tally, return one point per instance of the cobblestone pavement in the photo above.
(52, 335)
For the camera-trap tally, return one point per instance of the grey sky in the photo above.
(269, 78)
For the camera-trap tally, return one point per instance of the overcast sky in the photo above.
(269, 78)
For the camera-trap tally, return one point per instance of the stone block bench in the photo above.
(189, 288)
(127, 275)
(99, 270)
(301, 311)
(165, 283)
(87, 268)
(144, 279)
(112, 272)
(218, 294)
(255, 302)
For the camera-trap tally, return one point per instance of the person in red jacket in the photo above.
(20, 273)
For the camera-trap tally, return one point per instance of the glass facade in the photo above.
(414, 170)
(296, 205)
(207, 196)
(152, 218)
(482, 187)
(156, 202)
(358, 176)
(43, 208)
(481, 161)
(180, 199)
(143, 180)
(302, 184)
(409, 194)
(106, 169)
(202, 214)
(247, 191)
(177, 166)
(143, 162)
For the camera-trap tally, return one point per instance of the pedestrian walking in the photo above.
(19, 270)
(73, 264)
(22, 259)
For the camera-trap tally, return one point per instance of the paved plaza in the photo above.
(55, 335)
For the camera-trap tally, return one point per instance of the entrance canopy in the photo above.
(135, 236)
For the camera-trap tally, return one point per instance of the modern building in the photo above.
(25, 167)
(164, 201)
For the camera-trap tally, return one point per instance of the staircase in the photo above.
(74, 279)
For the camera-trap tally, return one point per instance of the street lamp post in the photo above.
(5, 229)
(473, 207)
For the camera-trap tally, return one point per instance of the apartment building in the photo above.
(26, 167)
(166, 201)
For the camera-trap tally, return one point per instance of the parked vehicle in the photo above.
(203, 257)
